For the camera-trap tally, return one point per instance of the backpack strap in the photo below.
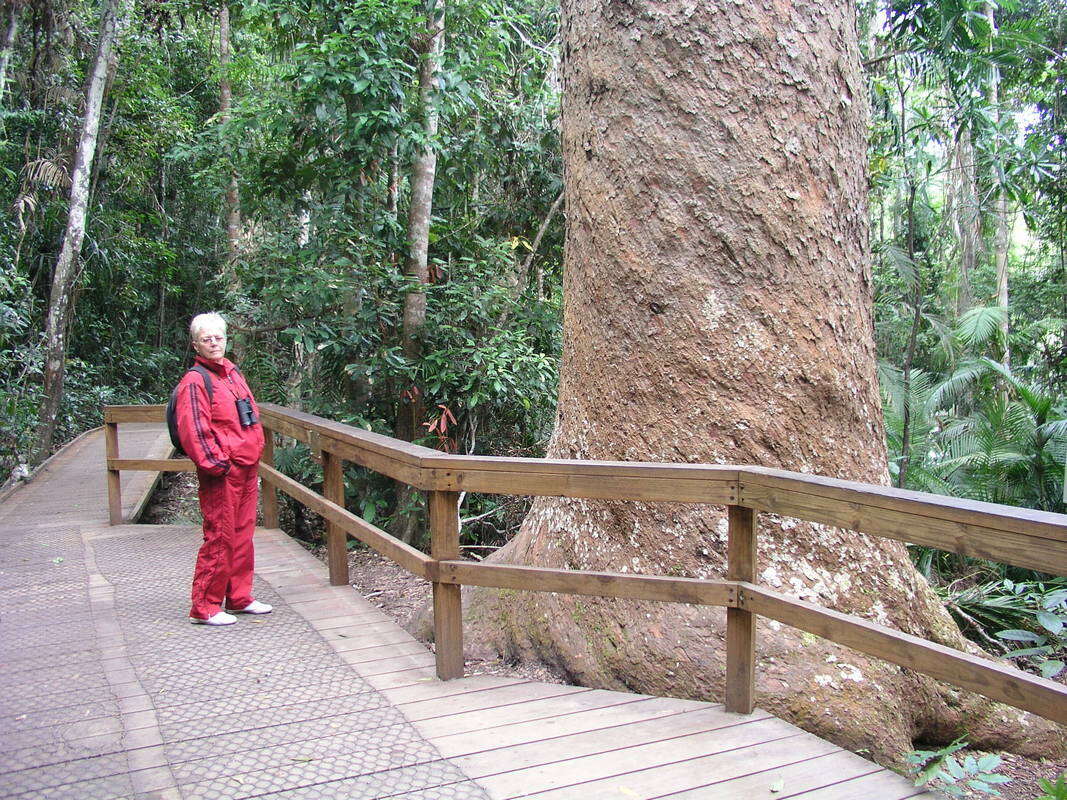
(205, 373)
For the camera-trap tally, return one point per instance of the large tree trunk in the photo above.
(423, 171)
(717, 309)
(60, 303)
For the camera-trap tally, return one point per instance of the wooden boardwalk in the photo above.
(108, 692)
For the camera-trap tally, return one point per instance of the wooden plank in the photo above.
(483, 725)
(447, 602)
(114, 478)
(399, 663)
(151, 464)
(882, 785)
(444, 689)
(366, 655)
(500, 699)
(602, 480)
(1020, 549)
(333, 487)
(599, 584)
(392, 680)
(441, 462)
(600, 740)
(669, 779)
(1028, 521)
(992, 679)
(271, 512)
(135, 413)
(612, 710)
(381, 636)
(385, 463)
(646, 770)
(392, 457)
(741, 623)
(796, 778)
(406, 556)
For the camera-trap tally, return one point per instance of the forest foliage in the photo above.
(968, 198)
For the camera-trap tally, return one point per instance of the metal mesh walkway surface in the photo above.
(106, 690)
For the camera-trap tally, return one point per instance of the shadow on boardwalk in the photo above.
(109, 692)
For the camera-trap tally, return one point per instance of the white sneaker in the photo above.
(219, 618)
(255, 607)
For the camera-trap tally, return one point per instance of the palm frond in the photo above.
(946, 392)
(980, 325)
(902, 263)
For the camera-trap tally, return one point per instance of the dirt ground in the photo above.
(402, 596)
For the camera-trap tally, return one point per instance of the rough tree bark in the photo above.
(717, 309)
(423, 171)
(60, 302)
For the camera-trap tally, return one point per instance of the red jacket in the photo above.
(210, 431)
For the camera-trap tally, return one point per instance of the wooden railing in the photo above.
(1022, 537)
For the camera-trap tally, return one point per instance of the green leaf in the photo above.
(1050, 622)
(994, 778)
(1016, 635)
(953, 767)
(1051, 668)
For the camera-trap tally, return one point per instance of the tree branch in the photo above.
(540, 235)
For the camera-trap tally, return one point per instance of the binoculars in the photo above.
(245, 413)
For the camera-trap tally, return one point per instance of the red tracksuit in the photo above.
(226, 457)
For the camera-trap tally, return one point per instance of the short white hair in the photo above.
(210, 320)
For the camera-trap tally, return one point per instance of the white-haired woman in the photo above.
(218, 425)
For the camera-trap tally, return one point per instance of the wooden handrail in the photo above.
(1021, 537)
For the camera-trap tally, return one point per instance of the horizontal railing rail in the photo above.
(1021, 537)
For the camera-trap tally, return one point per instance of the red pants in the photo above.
(225, 562)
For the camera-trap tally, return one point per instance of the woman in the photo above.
(219, 430)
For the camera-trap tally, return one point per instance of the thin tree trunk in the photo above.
(423, 171)
(232, 199)
(106, 126)
(60, 304)
(1001, 211)
(164, 234)
(909, 353)
(539, 280)
(233, 208)
(14, 9)
(303, 222)
(1001, 242)
(393, 200)
(966, 219)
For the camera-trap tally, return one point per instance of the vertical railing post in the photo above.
(741, 624)
(447, 601)
(114, 481)
(270, 494)
(333, 488)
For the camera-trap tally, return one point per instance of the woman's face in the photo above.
(210, 342)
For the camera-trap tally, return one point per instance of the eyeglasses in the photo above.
(211, 339)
